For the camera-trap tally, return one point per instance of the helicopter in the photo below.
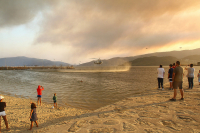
(98, 61)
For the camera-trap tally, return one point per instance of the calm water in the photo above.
(101, 86)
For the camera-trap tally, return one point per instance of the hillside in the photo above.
(192, 59)
(181, 55)
(152, 61)
(25, 61)
(166, 60)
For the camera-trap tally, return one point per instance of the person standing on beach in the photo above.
(33, 115)
(3, 113)
(174, 66)
(170, 73)
(177, 81)
(190, 75)
(55, 100)
(198, 75)
(39, 92)
(161, 72)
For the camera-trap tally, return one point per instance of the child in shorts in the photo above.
(55, 100)
(198, 75)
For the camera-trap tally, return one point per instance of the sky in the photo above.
(75, 31)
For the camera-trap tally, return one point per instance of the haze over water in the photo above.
(101, 85)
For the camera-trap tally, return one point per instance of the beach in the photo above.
(18, 113)
(146, 113)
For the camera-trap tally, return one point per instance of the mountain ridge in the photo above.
(27, 61)
(121, 60)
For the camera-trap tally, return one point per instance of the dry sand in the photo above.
(148, 113)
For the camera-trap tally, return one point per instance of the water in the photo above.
(100, 86)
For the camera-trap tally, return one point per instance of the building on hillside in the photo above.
(198, 63)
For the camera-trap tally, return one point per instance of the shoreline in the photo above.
(145, 113)
(71, 106)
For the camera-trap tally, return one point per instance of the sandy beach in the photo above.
(18, 112)
(148, 113)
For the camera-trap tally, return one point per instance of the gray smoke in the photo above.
(92, 25)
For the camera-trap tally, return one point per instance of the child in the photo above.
(33, 115)
(55, 100)
(199, 77)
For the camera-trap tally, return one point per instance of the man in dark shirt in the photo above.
(177, 80)
(170, 73)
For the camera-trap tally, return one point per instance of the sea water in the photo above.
(82, 87)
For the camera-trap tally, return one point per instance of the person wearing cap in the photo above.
(39, 92)
(2, 112)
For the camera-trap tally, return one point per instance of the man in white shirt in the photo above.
(161, 73)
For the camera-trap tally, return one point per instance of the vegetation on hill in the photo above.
(152, 61)
(166, 60)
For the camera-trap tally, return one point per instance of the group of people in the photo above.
(175, 76)
(33, 115)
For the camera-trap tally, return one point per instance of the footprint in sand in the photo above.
(144, 122)
(128, 127)
(163, 111)
(149, 114)
(180, 112)
(95, 121)
(104, 115)
(186, 118)
(156, 130)
(126, 116)
(102, 130)
(172, 125)
(77, 125)
(111, 122)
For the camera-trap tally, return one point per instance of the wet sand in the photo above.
(147, 113)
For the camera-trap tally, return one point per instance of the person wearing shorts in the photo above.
(39, 94)
(170, 73)
(55, 100)
(2, 112)
(177, 81)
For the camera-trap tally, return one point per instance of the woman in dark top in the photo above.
(33, 115)
(3, 113)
